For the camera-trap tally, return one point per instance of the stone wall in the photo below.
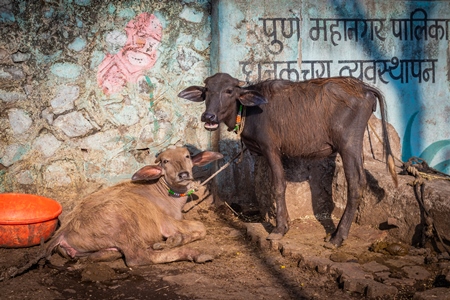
(88, 90)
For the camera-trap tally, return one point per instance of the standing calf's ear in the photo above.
(251, 98)
(193, 93)
(205, 157)
(147, 173)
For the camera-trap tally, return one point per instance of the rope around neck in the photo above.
(188, 193)
(193, 190)
(240, 120)
(175, 194)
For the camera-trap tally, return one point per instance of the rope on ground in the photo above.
(419, 168)
(239, 215)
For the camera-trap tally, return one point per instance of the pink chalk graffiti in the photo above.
(139, 54)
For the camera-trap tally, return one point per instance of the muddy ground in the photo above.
(246, 266)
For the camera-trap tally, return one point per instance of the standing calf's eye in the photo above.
(229, 91)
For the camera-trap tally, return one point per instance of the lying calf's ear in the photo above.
(193, 93)
(205, 157)
(147, 173)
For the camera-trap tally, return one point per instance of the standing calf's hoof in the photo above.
(274, 236)
(328, 245)
(278, 233)
(333, 242)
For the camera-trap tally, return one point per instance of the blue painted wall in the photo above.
(402, 47)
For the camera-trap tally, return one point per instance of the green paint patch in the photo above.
(7, 17)
(66, 70)
(152, 88)
(96, 59)
(78, 44)
(111, 8)
(127, 13)
(406, 145)
(83, 2)
(442, 166)
(429, 153)
(41, 58)
(49, 13)
(18, 152)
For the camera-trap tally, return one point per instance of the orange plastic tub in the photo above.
(27, 219)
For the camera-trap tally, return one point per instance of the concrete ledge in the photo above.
(356, 269)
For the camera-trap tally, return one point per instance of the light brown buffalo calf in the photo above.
(140, 220)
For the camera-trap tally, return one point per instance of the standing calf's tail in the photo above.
(387, 146)
(391, 166)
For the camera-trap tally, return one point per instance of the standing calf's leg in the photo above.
(356, 183)
(279, 189)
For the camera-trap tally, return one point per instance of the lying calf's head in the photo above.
(176, 166)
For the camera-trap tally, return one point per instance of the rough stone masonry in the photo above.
(88, 90)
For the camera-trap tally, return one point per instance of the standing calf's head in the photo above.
(220, 94)
(176, 167)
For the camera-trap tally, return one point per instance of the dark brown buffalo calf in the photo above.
(310, 119)
(141, 220)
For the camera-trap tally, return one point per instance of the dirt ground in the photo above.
(246, 266)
